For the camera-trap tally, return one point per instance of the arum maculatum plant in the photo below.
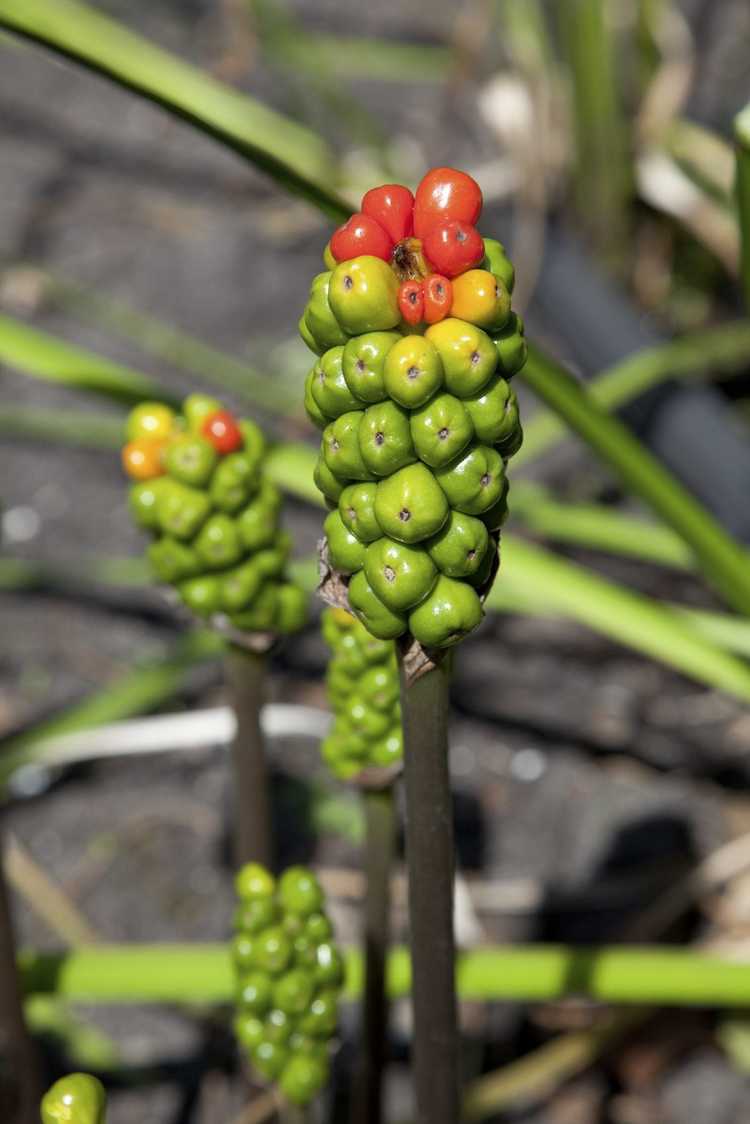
(199, 490)
(289, 975)
(75, 1099)
(416, 343)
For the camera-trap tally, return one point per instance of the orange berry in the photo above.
(481, 298)
(141, 459)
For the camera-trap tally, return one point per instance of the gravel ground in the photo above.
(588, 776)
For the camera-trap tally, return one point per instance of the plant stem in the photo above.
(380, 837)
(430, 858)
(20, 1085)
(246, 673)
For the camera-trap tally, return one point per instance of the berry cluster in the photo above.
(289, 976)
(363, 691)
(416, 347)
(200, 491)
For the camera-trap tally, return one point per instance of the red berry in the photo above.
(446, 193)
(222, 431)
(392, 206)
(411, 301)
(453, 247)
(361, 234)
(438, 298)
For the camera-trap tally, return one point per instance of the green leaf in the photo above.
(722, 350)
(46, 357)
(724, 562)
(554, 584)
(293, 155)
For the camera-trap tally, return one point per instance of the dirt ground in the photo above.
(587, 779)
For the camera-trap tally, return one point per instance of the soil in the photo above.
(587, 779)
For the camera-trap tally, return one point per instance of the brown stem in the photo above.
(380, 821)
(430, 858)
(246, 673)
(20, 1085)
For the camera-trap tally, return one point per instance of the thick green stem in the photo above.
(380, 821)
(246, 674)
(20, 1087)
(430, 858)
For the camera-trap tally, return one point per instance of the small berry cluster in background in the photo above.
(416, 342)
(199, 490)
(363, 691)
(289, 975)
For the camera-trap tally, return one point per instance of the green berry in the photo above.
(328, 386)
(340, 447)
(291, 608)
(346, 552)
(312, 409)
(272, 950)
(278, 1027)
(459, 548)
(307, 336)
(401, 575)
(441, 429)
(357, 511)
(385, 441)
(389, 750)
(497, 261)
(75, 1099)
(196, 408)
(235, 480)
(413, 371)
(269, 1058)
(302, 1077)
(370, 610)
(240, 586)
(271, 561)
(468, 355)
(143, 502)
(260, 616)
(190, 459)
(182, 510)
(255, 914)
(451, 610)
(379, 687)
(410, 505)
(317, 927)
(496, 515)
(363, 295)
(330, 967)
(299, 891)
(254, 993)
(364, 720)
(253, 881)
(218, 544)
(202, 594)
(511, 346)
(364, 362)
(322, 1018)
(319, 317)
(475, 481)
(248, 1030)
(326, 482)
(254, 441)
(494, 412)
(172, 560)
(293, 992)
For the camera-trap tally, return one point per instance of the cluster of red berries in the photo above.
(199, 489)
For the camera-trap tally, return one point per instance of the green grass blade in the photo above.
(555, 585)
(46, 357)
(596, 527)
(742, 148)
(293, 155)
(203, 973)
(722, 350)
(725, 564)
(75, 428)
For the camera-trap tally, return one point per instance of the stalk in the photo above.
(430, 858)
(245, 671)
(21, 1087)
(380, 821)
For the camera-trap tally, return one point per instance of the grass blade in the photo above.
(46, 357)
(291, 154)
(722, 350)
(556, 585)
(723, 562)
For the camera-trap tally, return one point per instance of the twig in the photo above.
(252, 813)
(44, 896)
